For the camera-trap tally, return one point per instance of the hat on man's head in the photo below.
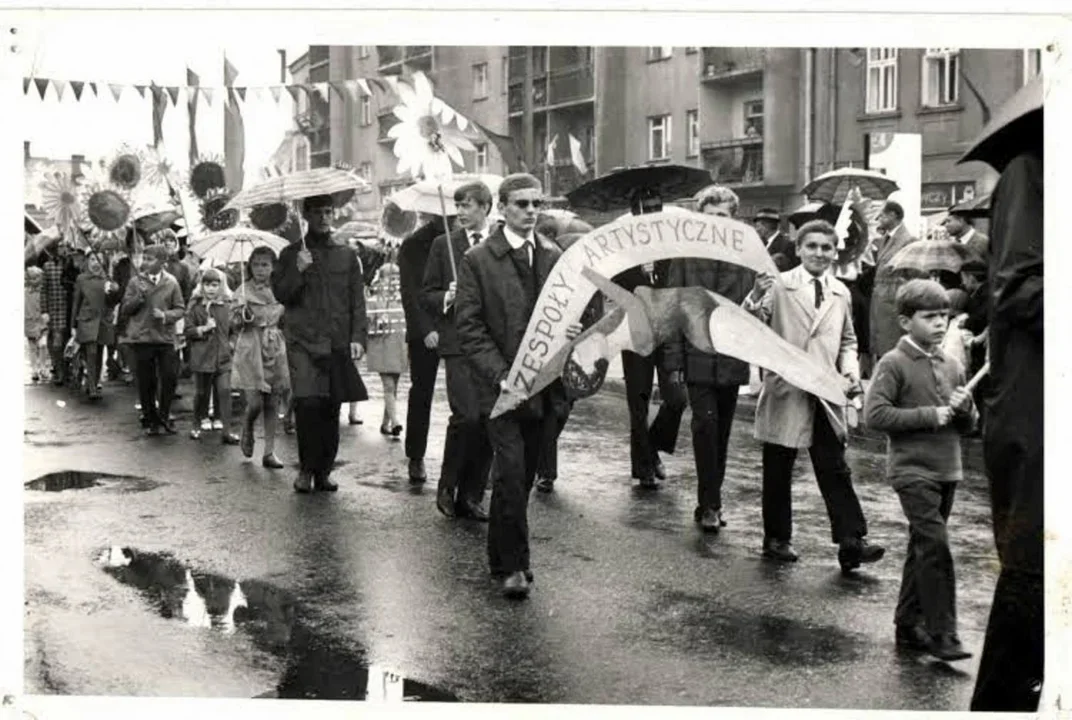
(768, 214)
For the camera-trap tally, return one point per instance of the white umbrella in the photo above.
(235, 245)
(423, 196)
(299, 185)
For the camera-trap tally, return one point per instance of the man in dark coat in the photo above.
(1011, 669)
(326, 329)
(959, 226)
(467, 450)
(499, 282)
(422, 339)
(713, 381)
(768, 223)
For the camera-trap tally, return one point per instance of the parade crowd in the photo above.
(287, 344)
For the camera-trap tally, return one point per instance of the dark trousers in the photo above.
(661, 436)
(423, 366)
(928, 586)
(157, 371)
(1011, 669)
(316, 422)
(215, 386)
(93, 356)
(553, 425)
(516, 443)
(713, 409)
(467, 450)
(835, 483)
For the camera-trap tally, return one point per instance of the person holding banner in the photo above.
(812, 310)
(713, 381)
(499, 282)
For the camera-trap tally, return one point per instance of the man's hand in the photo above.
(573, 330)
(46, 318)
(210, 324)
(357, 350)
(305, 259)
(945, 415)
(448, 298)
(961, 400)
(431, 340)
(762, 286)
(110, 287)
(159, 314)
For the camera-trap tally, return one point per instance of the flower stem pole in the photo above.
(446, 231)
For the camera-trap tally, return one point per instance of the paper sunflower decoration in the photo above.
(425, 142)
(108, 209)
(207, 174)
(158, 168)
(126, 169)
(213, 216)
(272, 218)
(60, 200)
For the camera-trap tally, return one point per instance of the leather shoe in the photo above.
(417, 474)
(445, 501)
(471, 510)
(271, 462)
(324, 482)
(658, 469)
(229, 438)
(779, 550)
(648, 482)
(709, 519)
(304, 482)
(912, 637)
(948, 648)
(169, 427)
(853, 553)
(516, 586)
(247, 439)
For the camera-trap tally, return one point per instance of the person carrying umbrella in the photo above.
(320, 285)
(958, 224)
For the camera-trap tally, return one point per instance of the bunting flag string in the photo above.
(343, 90)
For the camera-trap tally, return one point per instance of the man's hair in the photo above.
(156, 252)
(719, 195)
(517, 181)
(920, 296)
(642, 196)
(476, 191)
(316, 202)
(894, 207)
(815, 226)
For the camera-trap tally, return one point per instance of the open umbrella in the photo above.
(423, 195)
(156, 219)
(1015, 123)
(833, 187)
(928, 256)
(614, 190)
(340, 184)
(235, 245)
(975, 208)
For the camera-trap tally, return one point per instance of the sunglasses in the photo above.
(524, 204)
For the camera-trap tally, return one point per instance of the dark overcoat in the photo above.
(92, 310)
(412, 259)
(437, 279)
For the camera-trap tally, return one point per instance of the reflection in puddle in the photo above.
(318, 666)
(82, 480)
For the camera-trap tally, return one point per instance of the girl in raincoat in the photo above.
(259, 365)
(208, 334)
(387, 344)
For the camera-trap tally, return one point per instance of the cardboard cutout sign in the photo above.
(608, 250)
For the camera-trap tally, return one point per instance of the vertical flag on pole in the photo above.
(234, 140)
(576, 155)
(191, 106)
(551, 151)
(159, 106)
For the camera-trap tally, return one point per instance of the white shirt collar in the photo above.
(516, 241)
(931, 355)
(770, 240)
(805, 278)
(483, 231)
(967, 236)
(156, 278)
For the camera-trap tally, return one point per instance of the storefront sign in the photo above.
(943, 195)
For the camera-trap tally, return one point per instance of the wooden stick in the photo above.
(983, 371)
(446, 231)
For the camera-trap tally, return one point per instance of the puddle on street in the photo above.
(318, 666)
(82, 480)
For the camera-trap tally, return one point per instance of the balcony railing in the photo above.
(516, 96)
(389, 54)
(724, 63)
(738, 161)
(571, 84)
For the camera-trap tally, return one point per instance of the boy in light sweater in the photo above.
(917, 398)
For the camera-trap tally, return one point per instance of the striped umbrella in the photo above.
(235, 244)
(833, 187)
(340, 184)
(928, 256)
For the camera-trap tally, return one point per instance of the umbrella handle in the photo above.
(446, 231)
(983, 371)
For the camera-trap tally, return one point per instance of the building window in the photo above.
(1032, 64)
(363, 52)
(659, 53)
(659, 137)
(940, 76)
(480, 81)
(365, 171)
(692, 123)
(365, 111)
(753, 118)
(881, 79)
(481, 157)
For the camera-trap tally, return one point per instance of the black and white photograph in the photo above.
(532, 373)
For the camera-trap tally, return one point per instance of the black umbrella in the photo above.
(1016, 125)
(615, 190)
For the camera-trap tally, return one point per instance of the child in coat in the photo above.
(917, 398)
(208, 335)
(36, 324)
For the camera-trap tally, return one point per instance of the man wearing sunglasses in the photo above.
(499, 282)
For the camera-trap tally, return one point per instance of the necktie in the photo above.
(818, 292)
(476, 239)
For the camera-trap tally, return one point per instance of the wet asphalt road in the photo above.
(631, 605)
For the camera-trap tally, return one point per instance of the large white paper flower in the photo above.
(425, 141)
(158, 167)
(60, 200)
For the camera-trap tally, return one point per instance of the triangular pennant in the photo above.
(61, 86)
(322, 88)
(25, 85)
(294, 90)
(141, 90)
(208, 93)
(277, 92)
(241, 93)
(42, 86)
(117, 91)
(363, 84)
(173, 91)
(93, 87)
(337, 87)
(258, 93)
(77, 86)
(350, 88)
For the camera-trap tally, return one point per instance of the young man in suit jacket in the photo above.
(466, 451)
(768, 224)
(960, 228)
(499, 282)
(811, 309)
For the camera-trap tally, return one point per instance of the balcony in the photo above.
(516, 97)
(738, 161)
(385, 122)
(389, 55)
(720, 64)
(571, 84)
